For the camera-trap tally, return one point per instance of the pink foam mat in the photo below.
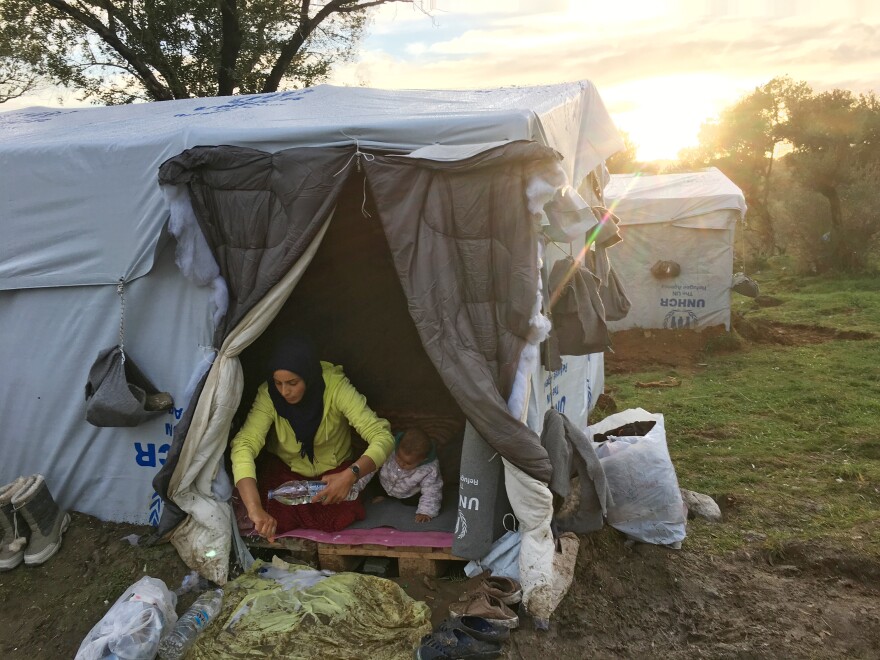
(377, 536)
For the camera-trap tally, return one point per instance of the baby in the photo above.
(412, 470)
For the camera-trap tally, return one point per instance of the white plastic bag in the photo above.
(647, 504)
(132, 627)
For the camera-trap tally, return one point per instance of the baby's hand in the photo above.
(421, 517)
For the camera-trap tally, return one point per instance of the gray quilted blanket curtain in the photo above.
(465, 248)
(259, 212)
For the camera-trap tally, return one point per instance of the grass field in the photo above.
(785, 437)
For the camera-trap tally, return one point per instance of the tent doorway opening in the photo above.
(351, 304)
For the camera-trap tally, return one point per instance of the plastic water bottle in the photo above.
(175, 645)
(302, 492)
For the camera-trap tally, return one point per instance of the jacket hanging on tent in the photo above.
(576, 312)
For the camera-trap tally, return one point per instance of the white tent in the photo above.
(82, 210)
(688, 219)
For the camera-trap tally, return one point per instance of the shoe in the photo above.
(455, 644)
(481, 604)
(477, 627)
(503, 588)
(47, 522)
(428, 652)
(15, 532)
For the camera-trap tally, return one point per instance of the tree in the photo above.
(743, 142)
(16, 74)
(833, 136)
(624, 162)
(119, 51)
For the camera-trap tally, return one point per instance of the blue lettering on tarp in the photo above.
(682, 302)
(145, 456)
(24, 117)
(248, 101)
(149, 456)
(169, 430)
(155, 509)
(560, 405)
(177, 412)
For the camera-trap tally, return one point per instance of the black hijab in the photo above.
(297, 354)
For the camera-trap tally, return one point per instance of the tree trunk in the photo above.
(840, 253)
(229, 49)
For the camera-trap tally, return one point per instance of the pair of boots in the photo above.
(30, 521)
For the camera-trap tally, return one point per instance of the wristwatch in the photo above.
(354, 468)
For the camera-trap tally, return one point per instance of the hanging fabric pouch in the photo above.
(117, 392)
(611, 291)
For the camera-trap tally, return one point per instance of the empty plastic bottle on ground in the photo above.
(302, 492)
(190, 625)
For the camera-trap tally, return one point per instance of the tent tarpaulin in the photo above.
(82, 208)
(92, 172)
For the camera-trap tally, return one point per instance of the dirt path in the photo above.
(640, 601)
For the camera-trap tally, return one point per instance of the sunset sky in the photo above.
(662, 68)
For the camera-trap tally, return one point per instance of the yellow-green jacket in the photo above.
(343, 405)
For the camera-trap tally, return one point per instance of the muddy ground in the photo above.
(803, 601)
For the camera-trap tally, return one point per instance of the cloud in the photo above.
(685, 65)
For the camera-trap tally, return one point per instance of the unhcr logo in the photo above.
(461, 526)
(679, 319)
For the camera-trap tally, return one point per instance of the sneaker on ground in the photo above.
(455, 644)
(477, 627)
(479, 603)
(505, 589)
(428, 652)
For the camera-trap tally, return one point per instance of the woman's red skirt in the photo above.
(272, 472)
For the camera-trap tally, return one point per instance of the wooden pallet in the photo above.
(303, 550)
(412, 561)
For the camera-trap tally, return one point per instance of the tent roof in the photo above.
(680, 199)
(79, 187)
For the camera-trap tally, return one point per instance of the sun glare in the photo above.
(663, 115)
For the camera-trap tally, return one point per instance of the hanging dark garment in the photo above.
(576, 310)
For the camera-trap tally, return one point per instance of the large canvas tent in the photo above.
(203, 263)
(684, 218)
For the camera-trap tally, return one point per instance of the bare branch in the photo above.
(154, 87)
(306, 27)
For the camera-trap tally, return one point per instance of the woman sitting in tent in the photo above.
(309, 404)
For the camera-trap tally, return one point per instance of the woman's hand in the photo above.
(265, 524)
(338, 487)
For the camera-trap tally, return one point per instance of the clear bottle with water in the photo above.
(302, 492)
(176, 643)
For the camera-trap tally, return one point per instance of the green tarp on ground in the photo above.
(282, 610)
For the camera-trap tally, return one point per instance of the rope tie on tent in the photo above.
(356, 156)
(120, 290)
